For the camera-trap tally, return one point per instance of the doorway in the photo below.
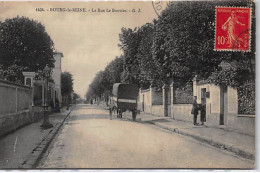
(143, 103)
(203, 96)
(203, 101)
(223, 104)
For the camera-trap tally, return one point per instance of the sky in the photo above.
(88, 40)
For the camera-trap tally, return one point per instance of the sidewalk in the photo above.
(23, 147)
(218, 136)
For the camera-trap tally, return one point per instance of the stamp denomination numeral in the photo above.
(221, 40)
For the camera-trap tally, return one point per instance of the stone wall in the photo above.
(157, 97)
(12, 121)
(182, 112)
(243, 123)
(221, 105)
(145, 101)
(225, 102)
(157, 110)
(16, 106)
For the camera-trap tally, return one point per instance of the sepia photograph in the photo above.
(128, 85)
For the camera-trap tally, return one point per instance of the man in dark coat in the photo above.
(57, 105)
(203, 114)
(194, 110)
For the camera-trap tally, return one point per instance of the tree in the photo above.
(139, 67)
(12, 74)
(176, 47)
(96, 88)
(129, 39)
(66, 84)
(25, 43)
(112, 74)
(149, 74)
(102, 84)
(75, 97)
(183, 43)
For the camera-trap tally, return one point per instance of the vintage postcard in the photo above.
(127, 84)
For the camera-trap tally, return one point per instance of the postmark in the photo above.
(232, 29)
(159, 6)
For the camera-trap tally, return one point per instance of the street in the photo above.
(89, 139)
(128, 85)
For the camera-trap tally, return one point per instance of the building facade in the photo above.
(56, 76)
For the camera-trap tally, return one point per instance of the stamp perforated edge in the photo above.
(250, 25)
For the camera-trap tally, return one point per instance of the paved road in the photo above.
(90, 140)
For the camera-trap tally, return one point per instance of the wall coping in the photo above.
(246, 116)
(184, 104)
(147, 90)
(14, 84)
(203, 82)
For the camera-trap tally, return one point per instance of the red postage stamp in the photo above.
(233, 26)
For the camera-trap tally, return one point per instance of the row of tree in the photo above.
(174, 48)
(67, 87)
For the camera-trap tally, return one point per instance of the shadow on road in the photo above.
(83, 106)
(160, 120)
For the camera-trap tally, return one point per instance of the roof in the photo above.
(56, 52)
(121, 90)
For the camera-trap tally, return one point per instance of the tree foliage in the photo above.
(66, 83)
(184, 42)
(129, 40)
(104, 80)
(75, 97)
(246, 98)
(13, 74)
(25, 43)
(177, 46)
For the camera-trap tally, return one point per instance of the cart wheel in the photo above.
(120, 114)
(134, 115)
(110, 113)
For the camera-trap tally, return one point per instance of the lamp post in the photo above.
(46, 122)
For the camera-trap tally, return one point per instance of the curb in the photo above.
(230, 148)
(35, 156)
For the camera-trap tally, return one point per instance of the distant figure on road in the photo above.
(194, 110)
(57, 105)
(52, 105)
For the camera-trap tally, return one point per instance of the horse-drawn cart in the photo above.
(124, 98)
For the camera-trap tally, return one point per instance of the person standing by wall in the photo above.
(203, 114)
(194, 110)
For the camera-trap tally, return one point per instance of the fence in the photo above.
(159, 102)
(182, 97)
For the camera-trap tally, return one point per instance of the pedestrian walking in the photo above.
(194, 110)
(57, 105)
(52, 105)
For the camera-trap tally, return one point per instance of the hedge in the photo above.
(246, 98)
